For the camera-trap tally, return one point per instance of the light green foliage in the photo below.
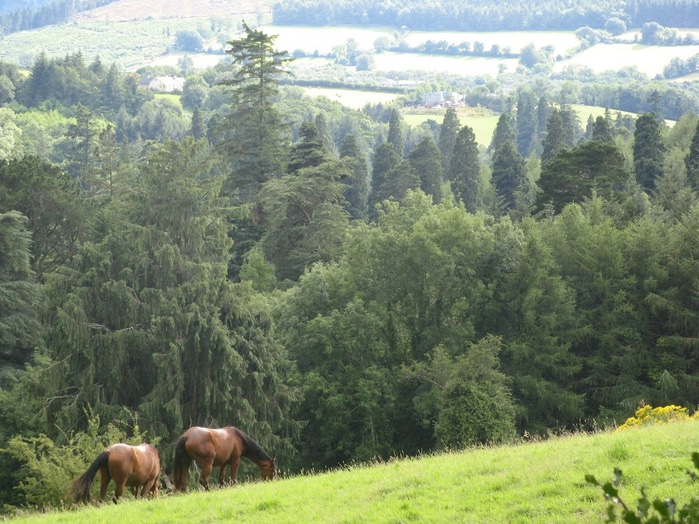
(45, 467)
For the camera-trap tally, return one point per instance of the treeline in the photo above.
(488, 16)
(341, 286)
(52, 12)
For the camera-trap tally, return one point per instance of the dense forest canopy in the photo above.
(339, 284)
(488, 15)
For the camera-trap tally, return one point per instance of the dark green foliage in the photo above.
(20, 331)
(555, 139)
(503, 132)
(309, 151)
(447, 137)
(60, 215)
(402, 178)
(464, 171)
(426, 160)
(526, 122)
(509, 174)
(253, 136)
(396, 134)
(574, 174)
(692, 160)
(357, 193)
(648, 151)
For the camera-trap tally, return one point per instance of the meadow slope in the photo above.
(528, 482)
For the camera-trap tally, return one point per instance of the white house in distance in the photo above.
(166, 84)
(442, 98)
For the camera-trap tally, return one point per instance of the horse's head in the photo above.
(268, 470)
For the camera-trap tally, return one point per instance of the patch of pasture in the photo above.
(323, 39)
(352, 98)
(457, 65)
(650, 60)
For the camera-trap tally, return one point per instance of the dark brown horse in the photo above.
(133, 466)
(218, 447)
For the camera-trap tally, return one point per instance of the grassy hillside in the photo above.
(529, 482)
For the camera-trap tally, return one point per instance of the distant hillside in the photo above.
(14, 5)
(122, 10)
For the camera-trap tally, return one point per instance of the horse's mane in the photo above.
(254, 450)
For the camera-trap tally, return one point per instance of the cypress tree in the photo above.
(447, 137)
(692, 160)
(396, 134)
(465, 170)
(427, 162)
(648, 151)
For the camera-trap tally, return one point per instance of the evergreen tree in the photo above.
(198, 129)
(309, 151)
(306, 217)
(396, 133)
(324, 134)
(426, 160)
(357, 193)
(20, 332)
(398, 181)
(464, 170)
(571, 126)
(385, 158)
(253, 135)
(509, 174)
(601, 130)
(447, 137)
(526, 122)
(573, 174)
(503, 133)
(554, 141)
(648, 151)
(692, 160)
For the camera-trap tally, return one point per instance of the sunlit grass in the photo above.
(527, 482)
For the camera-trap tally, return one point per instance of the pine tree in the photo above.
(509, 174)
(648, 151)
(197, 130)
(309, 151)
(426, 160)
(526, 123)
(601, 130)
(554, 141)
(254, 136)
(464, 170)
(503, 133)
(385, 158)
(357, 193)
(447, 137)
(692, 160)
(396, 134)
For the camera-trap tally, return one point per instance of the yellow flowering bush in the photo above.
(661, 415)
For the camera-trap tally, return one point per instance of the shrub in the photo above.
(648, 512)
(661, 415)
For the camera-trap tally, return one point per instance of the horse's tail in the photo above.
(81, 486)
(182, 462)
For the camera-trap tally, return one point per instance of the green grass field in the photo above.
(534, 482)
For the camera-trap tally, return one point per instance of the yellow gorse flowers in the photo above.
(661, 415)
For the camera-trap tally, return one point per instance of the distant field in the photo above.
(650, 60)
(351, 97)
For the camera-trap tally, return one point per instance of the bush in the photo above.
(649, 512)
(46, 469)
(647, 414)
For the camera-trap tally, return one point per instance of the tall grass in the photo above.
(526, 482)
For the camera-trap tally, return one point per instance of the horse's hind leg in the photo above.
(118, 490)
(206, 468)
(104, 482)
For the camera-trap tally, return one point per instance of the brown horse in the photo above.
(218, 447)
(133, 466)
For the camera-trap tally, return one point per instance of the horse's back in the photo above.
(216, 444)
(136, 464)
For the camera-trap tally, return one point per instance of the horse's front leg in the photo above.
(222, 473)
(235, 464)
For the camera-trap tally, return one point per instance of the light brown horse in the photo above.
(218, 447)
(133, 466)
